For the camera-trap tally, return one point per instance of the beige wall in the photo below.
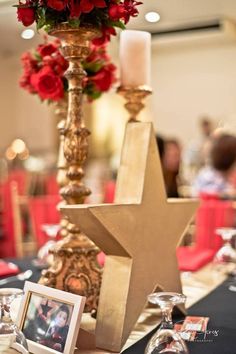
(192, 80)
(22, 115)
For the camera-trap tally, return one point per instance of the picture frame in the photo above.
(50, 319)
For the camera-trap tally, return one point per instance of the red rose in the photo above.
(58, 5)
(26, 15)
(107, 32)
(104, 78)
(47, 84)
(30, 64)
(47, 49)
(116, 12)
(56, 62)
(75, 9)
(88, 5)
(26, 84)
(130, 7)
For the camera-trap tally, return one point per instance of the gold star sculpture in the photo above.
(139, 234)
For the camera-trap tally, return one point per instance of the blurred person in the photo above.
(232, 177)
(160, 145)
(215, 178)
(171, 166)
(197, 152)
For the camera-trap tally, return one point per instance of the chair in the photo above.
(211, 214)
(14, 242)
(109, 191)
(8, 247)
(21, 178)
(43, 210)
(51, 185)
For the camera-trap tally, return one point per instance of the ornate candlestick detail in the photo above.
(61, 113)
(134, 97)
(75, 267)
(62, 180)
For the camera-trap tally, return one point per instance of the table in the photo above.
(219, 305)
(24, 264)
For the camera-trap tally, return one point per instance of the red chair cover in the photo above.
(51, 185)
(101, 258)
(43, 210)
(8, 247)
(109, 192)
(211, 214)
(21, 179)
(191, 259)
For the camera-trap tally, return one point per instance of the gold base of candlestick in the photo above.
(134, 97)
(75, 269)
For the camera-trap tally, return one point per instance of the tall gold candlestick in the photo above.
(75, 267)
(134, 97)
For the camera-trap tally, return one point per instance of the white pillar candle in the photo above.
(135, 58)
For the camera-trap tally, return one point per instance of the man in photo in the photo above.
(56, 335)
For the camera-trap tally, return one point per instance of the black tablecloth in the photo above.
(23, 264)
(219, 306)
(220, 338)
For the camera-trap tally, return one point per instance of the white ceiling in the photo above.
(173, 13)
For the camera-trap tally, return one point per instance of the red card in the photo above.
(195, 323)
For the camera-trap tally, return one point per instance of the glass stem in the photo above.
(167, 317)
(5, 311)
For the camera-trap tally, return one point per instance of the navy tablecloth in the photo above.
(219, 306)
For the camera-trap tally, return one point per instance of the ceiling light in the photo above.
(152, 16)
(27, 33)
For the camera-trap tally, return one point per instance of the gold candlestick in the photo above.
(75, 267)
(62, 180)
(134, 97)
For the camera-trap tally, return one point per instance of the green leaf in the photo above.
(95, 94)
(92, 68)
(37, 56)
(75, 23)
(41, 18)
(118, 24)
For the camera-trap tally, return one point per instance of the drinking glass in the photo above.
(226, 253)
(166, 340)
(12, 340)
(51, 231)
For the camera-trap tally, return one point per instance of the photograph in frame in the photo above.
(50, 319)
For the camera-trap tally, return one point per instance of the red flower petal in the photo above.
(99, 3)
(86, 6)
(26, 15)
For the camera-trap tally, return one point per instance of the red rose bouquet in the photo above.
(103, 14)
(44, 68)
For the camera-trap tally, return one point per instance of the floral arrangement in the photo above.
(44, 68)
(104, 14)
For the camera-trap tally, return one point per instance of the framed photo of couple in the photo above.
(50, 319)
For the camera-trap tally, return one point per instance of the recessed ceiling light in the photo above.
(27, 33)
(152, 16)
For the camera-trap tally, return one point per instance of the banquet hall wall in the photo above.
(191, 80)
(22, 115)
(188, 81)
